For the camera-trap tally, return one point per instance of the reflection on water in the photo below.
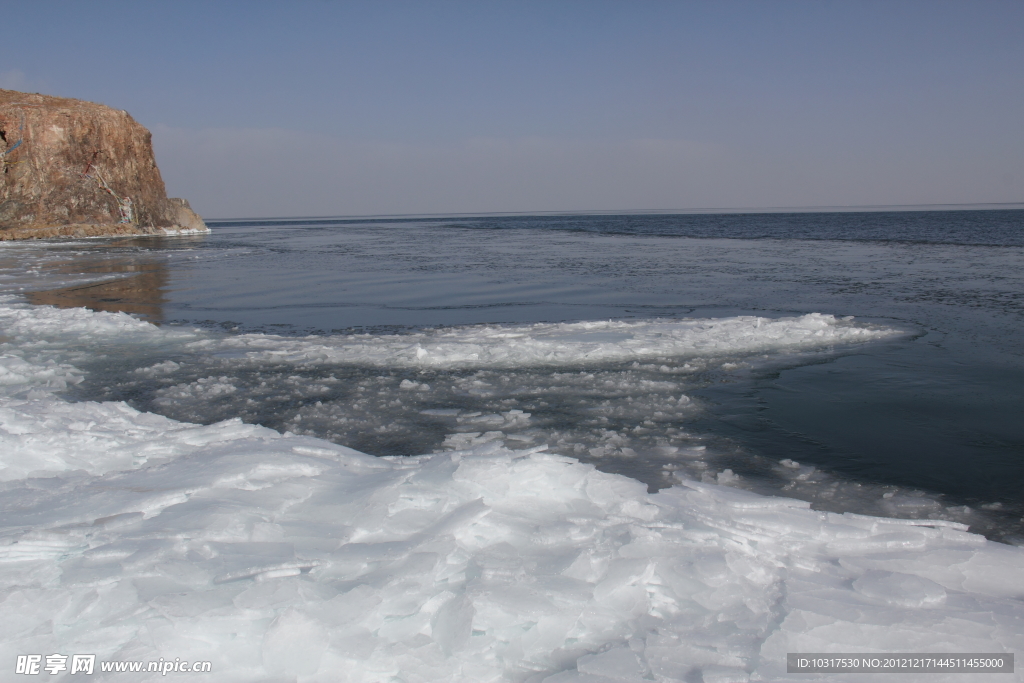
(140, 292)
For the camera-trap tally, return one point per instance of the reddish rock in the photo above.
(77, 169)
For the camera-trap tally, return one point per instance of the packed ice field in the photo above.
(279, 556)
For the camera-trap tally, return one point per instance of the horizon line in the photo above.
(852, 208)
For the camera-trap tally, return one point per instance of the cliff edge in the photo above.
(70, 168)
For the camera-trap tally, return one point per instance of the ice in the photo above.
(34, 434)
(905, 590)
(162, 368)
(21, 376)
(44, 322)
(617, 663)
(561, 343)
(294, 644)
(276, 555)
(280, 556)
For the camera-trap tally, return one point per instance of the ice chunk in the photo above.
(618, 663)
(905, 590)
(294, 644)
(161, 368)
(453, 623)
(35, 434)
(409, 385)
(25, 322)
(18, 375)
(724, 674)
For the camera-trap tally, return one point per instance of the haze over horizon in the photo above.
(358, 108)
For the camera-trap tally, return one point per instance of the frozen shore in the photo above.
(278, 557)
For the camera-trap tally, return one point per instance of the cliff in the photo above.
(70, 168)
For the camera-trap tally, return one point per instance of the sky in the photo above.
(324, 107)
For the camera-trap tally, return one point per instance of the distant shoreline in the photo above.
(870, 208)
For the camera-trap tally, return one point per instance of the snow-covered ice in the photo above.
(281, 557)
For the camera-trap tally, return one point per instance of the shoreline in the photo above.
(92, 230)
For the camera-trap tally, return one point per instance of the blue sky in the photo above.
(320, 107)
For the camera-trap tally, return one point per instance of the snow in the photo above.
(289, 558)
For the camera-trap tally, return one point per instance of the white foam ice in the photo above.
(563, 344)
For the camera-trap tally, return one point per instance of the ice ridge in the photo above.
(275, 555)
(560, 343)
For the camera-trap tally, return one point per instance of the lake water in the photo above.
(922, 421)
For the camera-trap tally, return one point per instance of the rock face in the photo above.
(78, 169)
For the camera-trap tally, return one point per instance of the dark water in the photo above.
(935, 415)
(992, 227)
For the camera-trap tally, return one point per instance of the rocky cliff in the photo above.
(78, 169)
